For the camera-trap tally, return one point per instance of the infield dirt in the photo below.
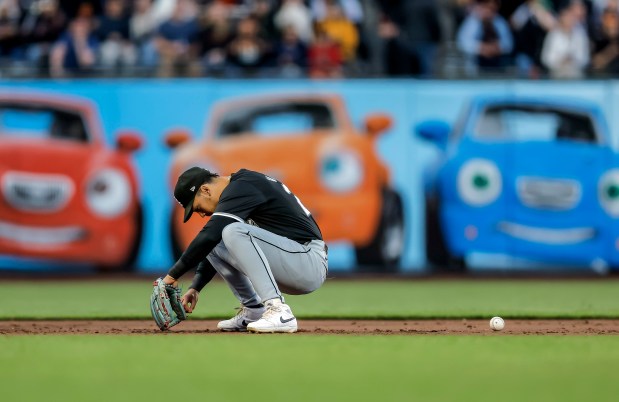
(311, 327)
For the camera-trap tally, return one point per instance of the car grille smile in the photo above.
(42, 193)
(556, 194)
(41, 236)
(547, 236)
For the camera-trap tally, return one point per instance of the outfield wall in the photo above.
(152, 107)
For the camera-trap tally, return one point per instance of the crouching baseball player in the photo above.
(260, 239)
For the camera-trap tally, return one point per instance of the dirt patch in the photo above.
(310, 327)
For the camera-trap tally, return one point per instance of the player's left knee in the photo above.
(232, 232)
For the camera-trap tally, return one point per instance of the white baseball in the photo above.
(497, 323)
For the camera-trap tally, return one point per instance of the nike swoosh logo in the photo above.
(285, 321)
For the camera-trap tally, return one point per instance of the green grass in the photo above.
(309, 368)
(336, 299)
(324, 368)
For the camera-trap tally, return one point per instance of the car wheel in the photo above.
(386, 248)
(437, 253)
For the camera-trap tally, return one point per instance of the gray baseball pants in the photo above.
(259, 265)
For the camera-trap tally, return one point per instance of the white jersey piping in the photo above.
(231, 216)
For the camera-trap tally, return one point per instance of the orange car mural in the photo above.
(64, 195)
(309, 143)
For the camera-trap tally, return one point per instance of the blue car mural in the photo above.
(528, 178)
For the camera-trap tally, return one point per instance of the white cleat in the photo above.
(240, 321)
(276, 318)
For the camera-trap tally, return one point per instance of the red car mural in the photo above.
(65, 195)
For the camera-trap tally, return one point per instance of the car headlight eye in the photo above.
(612, 192)
(99, 187)
(479, 182)
(341, 171)
(108, 193)
(332, 165)
(608, 192)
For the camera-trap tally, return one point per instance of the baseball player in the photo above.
(260, 239)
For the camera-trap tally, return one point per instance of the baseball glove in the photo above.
(165, 305)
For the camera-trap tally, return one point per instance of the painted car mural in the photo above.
(309, 143)
(64, 195)
(529, 178)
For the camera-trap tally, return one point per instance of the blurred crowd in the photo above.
(310, 38)
(556, 38)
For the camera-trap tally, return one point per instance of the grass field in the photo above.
(308, 368)
(315, 367)
(336, 299)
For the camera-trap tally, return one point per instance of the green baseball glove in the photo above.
(165, 305)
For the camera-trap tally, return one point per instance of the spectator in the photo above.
(229, 2)
(353, 12)
(75, 51)
(88, 10)
(42, 26)
(113, 34)
(291, 54)
(531, 22)
(80, 8)
(144, 22)
(295, 13)
(411, 33)
(605, 58)
(566, 48)
(598, 8)
(264, 13)
(324, 57)
(341, 30)
(584, 11)
(485, 38)
(10, 15)
(460, 9)
(248, 52)
(603, 5)
(173, 40)
(352, 9)
(213, 37)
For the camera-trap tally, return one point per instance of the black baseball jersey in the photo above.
(256, 198)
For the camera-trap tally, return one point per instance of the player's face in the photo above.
(197, 207)
(201, 205)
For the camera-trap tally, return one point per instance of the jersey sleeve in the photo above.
(205, 241)
(204, 273)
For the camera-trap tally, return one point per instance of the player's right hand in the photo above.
(190, 299)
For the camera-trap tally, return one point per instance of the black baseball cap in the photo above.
(187, 187)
